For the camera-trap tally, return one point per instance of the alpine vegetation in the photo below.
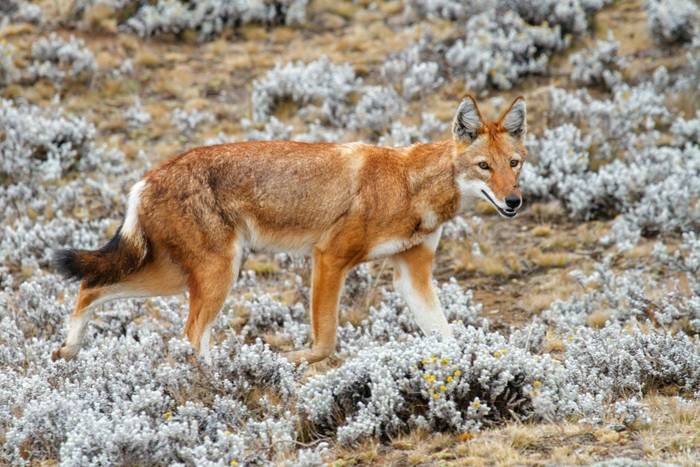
(598, 171)
(59, 60)
(638, 362)
(431, 384)
(20, 11)
(8, 71)
(321, 88)
(41, 144)
(420, 79)
(571, 16)
(136, 116)
(672, 21)
(686, 131)
(598, 66)
(506, 40)
(632, 296)
(41, 149)
(412, 71)
(400, 134)
(498, 51)
(209, 18)
(578, 319)
(378, 108)
(187, 122)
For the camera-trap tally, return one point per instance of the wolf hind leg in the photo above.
(78, 320)
(160, 277)
(209, 283)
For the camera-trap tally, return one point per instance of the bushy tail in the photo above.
(128, 250)
(108, 265)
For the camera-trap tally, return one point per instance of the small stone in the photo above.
(617, 427)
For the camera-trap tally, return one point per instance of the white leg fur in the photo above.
(426, 309)
(78, 324)
(204, 344)
(76, 332)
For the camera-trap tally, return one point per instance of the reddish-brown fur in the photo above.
(341, 203)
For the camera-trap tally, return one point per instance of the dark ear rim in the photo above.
(476, 108)
(505, 113)
(472, 98)
(510, 107)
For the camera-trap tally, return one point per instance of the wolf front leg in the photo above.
(413, 279)
(326, 283)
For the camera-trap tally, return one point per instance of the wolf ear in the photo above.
(468, 121)
(514, 120)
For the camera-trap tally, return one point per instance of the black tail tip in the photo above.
(67, 263)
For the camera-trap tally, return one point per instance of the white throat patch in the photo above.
(469, 191)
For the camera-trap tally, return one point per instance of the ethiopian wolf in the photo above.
(189, 220)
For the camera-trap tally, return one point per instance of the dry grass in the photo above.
(489, 266)
(552, 260)
(547, 212)
(598, 318)
(264, 267)
(673, 437)
(525, 263)
(553, 342)
(536, 302)
(541, 231)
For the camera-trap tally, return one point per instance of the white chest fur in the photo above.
(393, 246)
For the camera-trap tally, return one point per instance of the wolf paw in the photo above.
(64, 352)
(307, 355)
(294, 357)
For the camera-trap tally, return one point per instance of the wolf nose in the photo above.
(513, 202)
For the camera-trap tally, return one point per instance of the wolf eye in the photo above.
(483, 166)
(514, 162)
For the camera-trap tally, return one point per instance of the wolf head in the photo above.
(489, 155)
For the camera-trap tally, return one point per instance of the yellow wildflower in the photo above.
(536, 383)
(445, 361)
(476, 404)
(436, 395)
(449, 379)
(443, 388)
(458, 373)
(168, 415)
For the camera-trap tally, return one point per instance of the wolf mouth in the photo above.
(510, 213)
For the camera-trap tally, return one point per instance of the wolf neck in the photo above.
(430, 170)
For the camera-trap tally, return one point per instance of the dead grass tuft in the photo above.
(522, 437)
(537, 302)
(553, 343)
(547, 212)
(262, 267)
(552, 260)
(541, 230)
(598, 318)
(490, 266)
